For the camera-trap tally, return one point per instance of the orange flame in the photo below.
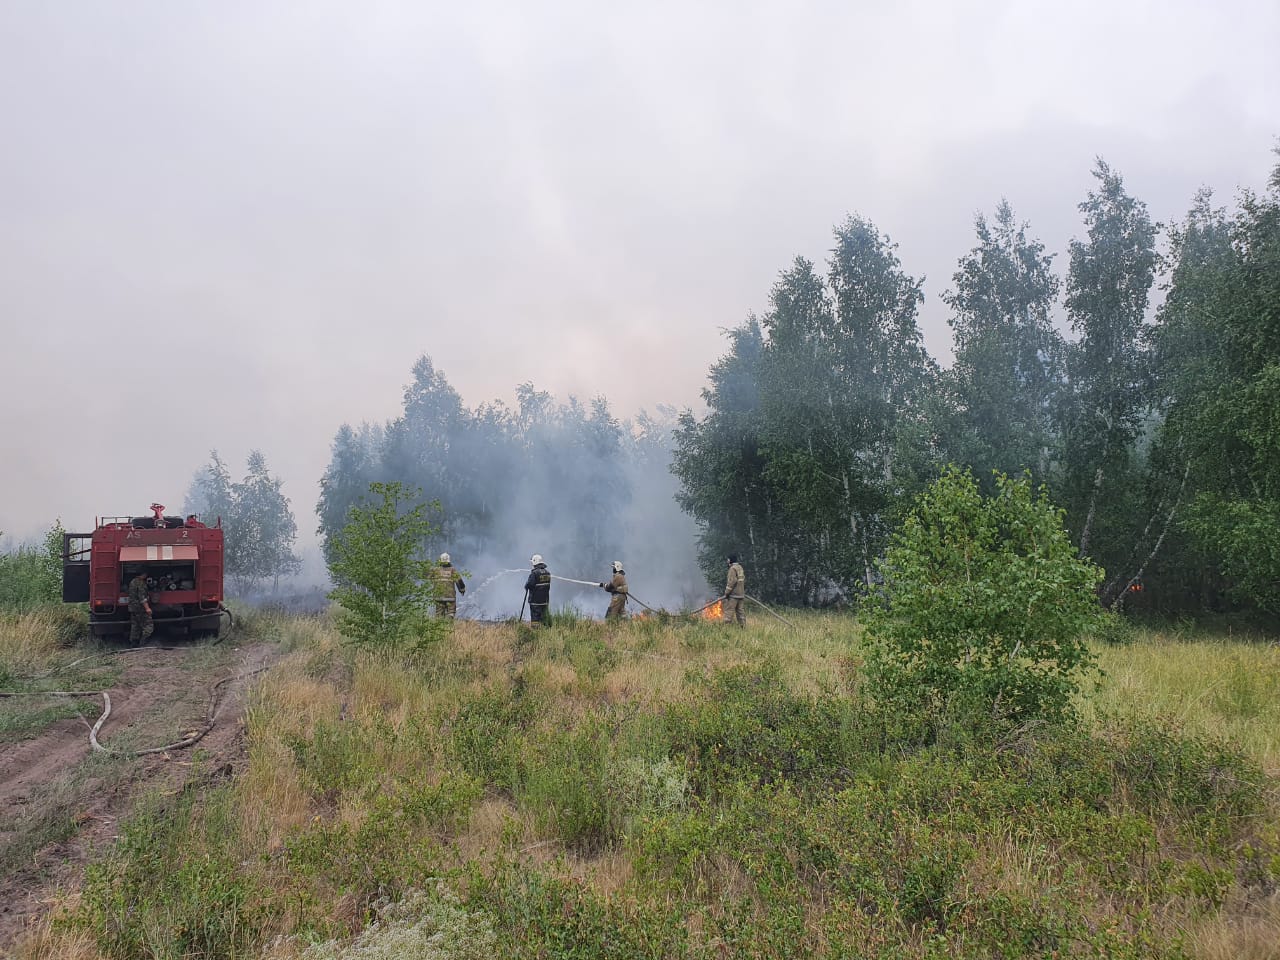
(713, 612)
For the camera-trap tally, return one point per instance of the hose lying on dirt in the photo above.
(190, 740)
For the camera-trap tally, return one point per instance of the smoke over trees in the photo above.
(567, 480)
(1159, 438)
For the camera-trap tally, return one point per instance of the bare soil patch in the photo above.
(61, 801)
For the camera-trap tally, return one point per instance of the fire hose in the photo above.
(771, 613)
(190, 740)
(597, 583)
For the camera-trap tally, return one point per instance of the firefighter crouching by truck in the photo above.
(449, 584)
(618, 587)
(735, 592)
(141, 627)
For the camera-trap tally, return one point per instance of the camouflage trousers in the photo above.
(140, 625)
(735, 608)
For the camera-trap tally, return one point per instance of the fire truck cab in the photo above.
(180, 557)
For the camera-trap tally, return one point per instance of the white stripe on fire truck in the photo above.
(152, 553)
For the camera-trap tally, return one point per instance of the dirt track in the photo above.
(55, 784)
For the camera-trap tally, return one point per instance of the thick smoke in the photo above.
(566, 480)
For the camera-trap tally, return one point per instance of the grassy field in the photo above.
(673, 789)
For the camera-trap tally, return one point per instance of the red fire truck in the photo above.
(181, 558)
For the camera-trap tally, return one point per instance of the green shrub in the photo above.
(173, 888)
(1207, 782)
(31, 576)
(384, 584)
(983, 609)
(563, 783)
(486, 734)
(745, 723)
(537, 915)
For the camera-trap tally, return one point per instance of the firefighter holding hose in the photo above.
(618, 587)
(538, 589)
(141, 626)
(735, 592)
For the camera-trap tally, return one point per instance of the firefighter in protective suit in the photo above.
(735, 593)
(449, 584)
(618, 587)
(538, 586)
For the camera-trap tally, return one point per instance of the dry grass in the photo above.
(47, 940)
(28, 641)
(1216, 688)
(1225, 689)
(1241, 930)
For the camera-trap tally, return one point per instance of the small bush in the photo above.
(747, 724)
(1205, 781)
(1114, 629)
(384, 584)
(486, 733)
(984, 608)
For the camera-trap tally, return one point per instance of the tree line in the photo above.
(568, 480)
(1157, 431)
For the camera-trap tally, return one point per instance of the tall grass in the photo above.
(668, 788)
(1209, 687)
(31, 640)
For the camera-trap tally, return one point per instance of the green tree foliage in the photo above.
(262, 549)
(1009, 368)
(209, 496)
(1108, 284)
(818, 425)
(721, 468)
(983, 607)
(31, 575)
(384, 578)
(419, 447)
(354, 463)
(1218, 352)
(257, 521)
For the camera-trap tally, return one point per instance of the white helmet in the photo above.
(617, 566)
(536, 559)
(444, 558)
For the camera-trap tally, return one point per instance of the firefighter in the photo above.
(538, 587)
(449, 584)
(141, 626)
(618, 587)
(735, 592)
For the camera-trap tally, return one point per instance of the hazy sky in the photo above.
(236, 224)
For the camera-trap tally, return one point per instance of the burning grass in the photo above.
(676, 788)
